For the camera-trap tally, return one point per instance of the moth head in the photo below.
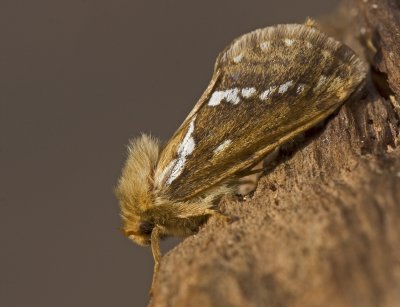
(138, 231)
(135, 186)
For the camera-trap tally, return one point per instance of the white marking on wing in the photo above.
(166, 171)
(309, 45)
(284, 87)
(230, 95)
(177, 170)
(185, 149)
(187, 145)
(216, 98)
(265, 95)
(222, 146)
(300, 88)
(247, 92)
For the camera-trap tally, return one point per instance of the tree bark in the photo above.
(323, 227)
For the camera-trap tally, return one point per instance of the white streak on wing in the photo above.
(284, 87)
(185, 149)
(177, 170)
(187, 145)
(222, 146)
(216, 98)
(265, 95)
(166, 171)
(230, 95)
(238, 58)
(288, 42)
(300, 88)
(247, 92)
(265, 45)
(309, 45)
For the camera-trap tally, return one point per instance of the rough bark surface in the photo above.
(323, 227)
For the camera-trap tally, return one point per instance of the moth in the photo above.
(268, 86)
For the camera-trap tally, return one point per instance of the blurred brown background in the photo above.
(77, 80)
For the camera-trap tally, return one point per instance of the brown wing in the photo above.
(268, 86)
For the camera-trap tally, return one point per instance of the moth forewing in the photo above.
(273, 84)
(268, 86)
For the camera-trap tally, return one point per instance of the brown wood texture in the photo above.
(323, 227)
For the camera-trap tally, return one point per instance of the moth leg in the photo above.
(248, 183)
(193, 210)
(222, 217)
(155, 248)
(188, 211)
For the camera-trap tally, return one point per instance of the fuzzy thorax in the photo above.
(143, 203)
(134, 189)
